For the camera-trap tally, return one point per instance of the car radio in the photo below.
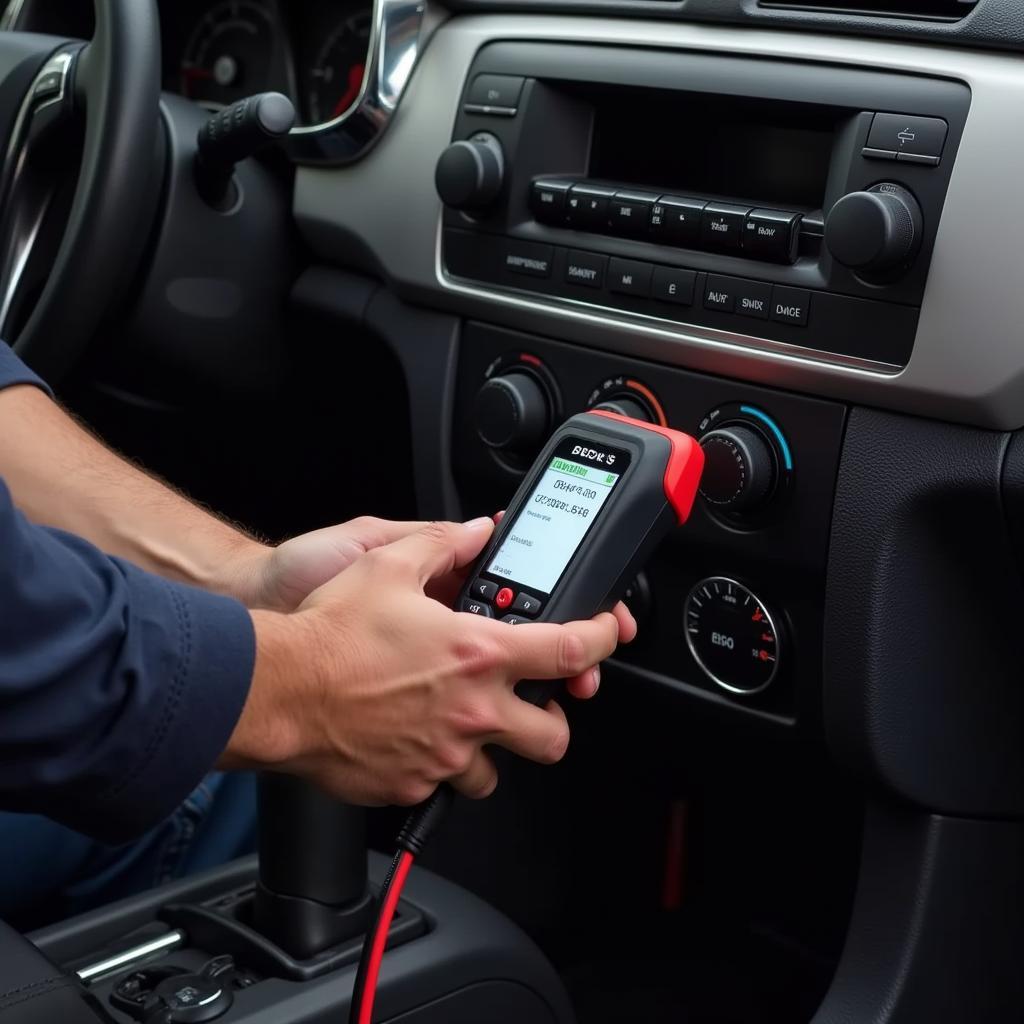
(708, 193)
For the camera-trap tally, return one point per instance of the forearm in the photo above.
(118, 690)
(61, 476)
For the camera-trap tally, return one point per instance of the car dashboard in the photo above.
(790, 229)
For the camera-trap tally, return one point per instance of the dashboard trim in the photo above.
(396, 37)
(968, 359)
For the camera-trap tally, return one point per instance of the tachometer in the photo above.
(337, 74)
(231, 54)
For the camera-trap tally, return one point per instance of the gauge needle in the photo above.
(355, 80)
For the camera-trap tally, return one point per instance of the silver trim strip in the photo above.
(394, 48)
(23, 238)
(11, 16)
(172, 940)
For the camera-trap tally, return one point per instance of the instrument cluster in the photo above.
(219, 51)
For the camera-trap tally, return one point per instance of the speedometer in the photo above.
(230, 54)
(336, 77)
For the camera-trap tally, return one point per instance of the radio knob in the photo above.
(739, 471)
(875, 231)
(626, 406)
(512, 413)
(470, 173)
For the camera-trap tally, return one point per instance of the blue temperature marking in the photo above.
(787, 456)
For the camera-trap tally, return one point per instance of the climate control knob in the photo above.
(877, 231)
(512, 413)
(470, 173)
(626, 406)
(739, 469)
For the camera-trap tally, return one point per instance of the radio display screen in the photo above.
(560, 511)
(764, 152)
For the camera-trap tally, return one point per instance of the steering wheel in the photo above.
(71, 231)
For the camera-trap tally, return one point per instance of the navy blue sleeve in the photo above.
(14, 371)
(118, 689)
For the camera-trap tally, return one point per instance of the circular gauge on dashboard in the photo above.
(731, 635)
(230, 54)
(336, 76)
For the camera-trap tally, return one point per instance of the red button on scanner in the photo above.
(504, 597)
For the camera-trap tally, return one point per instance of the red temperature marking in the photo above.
(355, 80)
(757, 616)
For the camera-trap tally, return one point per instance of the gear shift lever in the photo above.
(312, 891)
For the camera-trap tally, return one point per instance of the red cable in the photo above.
(380, 937)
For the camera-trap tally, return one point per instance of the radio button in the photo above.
(476, 608)
(628, 277)
(585, 268)
(902, 133)
(771, 234)
(791, 305)
(720, 293)
(547, 200)
(484, 590)
(500, 91)
(630, 212)
(753, 299)
(587, 206)
(676, 220)
(721, 225)
(671, 285)
(527, 604)
(527, 258)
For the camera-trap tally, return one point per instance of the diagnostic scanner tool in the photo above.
(602, 494)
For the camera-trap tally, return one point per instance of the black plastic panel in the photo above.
(877, 331)
(923, 687)
(782, 560)
(993, 23)
(936, 926)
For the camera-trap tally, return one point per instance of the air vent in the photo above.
(934, 10)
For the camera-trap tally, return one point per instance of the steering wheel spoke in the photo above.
(80, 180)
(26, 189)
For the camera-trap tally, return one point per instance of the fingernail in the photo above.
(597, 678)
(479, 524)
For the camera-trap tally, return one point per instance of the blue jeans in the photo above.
(48, 872)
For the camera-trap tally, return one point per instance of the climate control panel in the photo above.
(731, 605)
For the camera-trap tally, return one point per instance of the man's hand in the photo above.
(378, 693)
(281, 578)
